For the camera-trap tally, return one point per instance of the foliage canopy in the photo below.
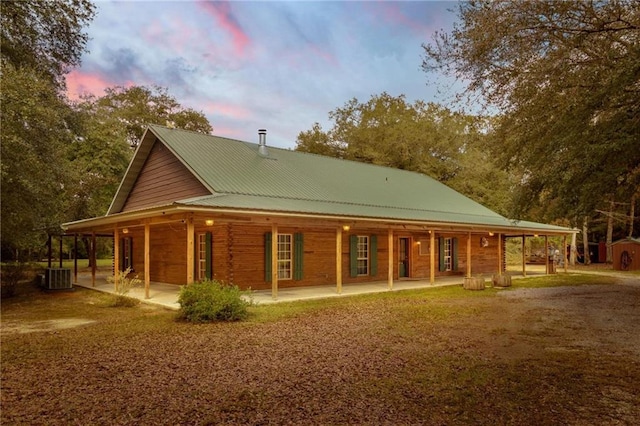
(566, 76)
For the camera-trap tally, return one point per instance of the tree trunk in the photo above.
(87, 245)
(610, 233)
(585, 241)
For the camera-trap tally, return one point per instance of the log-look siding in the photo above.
(163, 179)
(238, 252)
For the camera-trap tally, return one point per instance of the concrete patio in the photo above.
(166, 295)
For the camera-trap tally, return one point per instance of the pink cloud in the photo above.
(221, 11)
(227, 110)
(392, 13)
(79, 83)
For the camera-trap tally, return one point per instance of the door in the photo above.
(403, 257)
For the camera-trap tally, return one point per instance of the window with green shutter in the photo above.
(447, 254)
(290, 256)
(363, 250)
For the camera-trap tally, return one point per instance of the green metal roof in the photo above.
(295, 182)
(233, 167)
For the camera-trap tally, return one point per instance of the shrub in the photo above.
(125, 284)
(209, 301)
(12, 274)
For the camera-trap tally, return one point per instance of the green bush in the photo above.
(209, 301)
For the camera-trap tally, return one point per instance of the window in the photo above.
(284, 256)
(289, 256)
(202, 257)
(448, 254)
(363, 255)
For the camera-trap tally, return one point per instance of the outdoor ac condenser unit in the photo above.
(57, 279)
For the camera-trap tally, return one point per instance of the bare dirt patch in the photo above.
(11, 327)
(564, 355)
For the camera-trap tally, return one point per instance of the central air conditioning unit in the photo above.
(57, 279)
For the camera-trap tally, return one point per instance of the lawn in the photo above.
(548, 351)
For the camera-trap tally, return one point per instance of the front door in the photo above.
(403, 258)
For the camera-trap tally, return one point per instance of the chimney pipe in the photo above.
(262, 145)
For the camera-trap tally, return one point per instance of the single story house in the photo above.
(626, 254)
(193, 206)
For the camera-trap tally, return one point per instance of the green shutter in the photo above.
(208, 256)
(441, 266)
(454, 254)
(130, 242)
(121, 255)
(298, 247)
(353, 255)
(267, 257)
(373, 255)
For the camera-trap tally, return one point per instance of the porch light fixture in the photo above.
(208, 222)
(491, 234)
(346, 228)
(125, 231)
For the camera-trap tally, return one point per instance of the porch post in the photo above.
(339, 260)
(116, 257)
(147, 267)
(564, 253)
(75, 258)
(546, 254)
(274, 261)
(190, 249)
(499, 254)
(92, 254)
(469, 255)
(432, 256)
(390, 273)
(524, 260)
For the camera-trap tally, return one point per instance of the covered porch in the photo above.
(166, 295)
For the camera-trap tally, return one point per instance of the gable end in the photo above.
(162, 180)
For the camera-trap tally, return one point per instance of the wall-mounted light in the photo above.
(491, 234)
(208, 222)
(125, 231)
(535, 235)
(346, 228)
(419, 242)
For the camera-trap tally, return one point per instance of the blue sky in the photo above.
(275, 65)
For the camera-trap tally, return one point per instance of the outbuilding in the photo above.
(626, 254)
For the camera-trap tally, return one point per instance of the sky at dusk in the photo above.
(275, 65)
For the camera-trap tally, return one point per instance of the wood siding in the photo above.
(632, 248)
(238, 251)
(163, 179)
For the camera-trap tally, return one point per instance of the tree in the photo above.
(34, 168)
(421, 137)
(138, 106)
(45, 36)
(566, 77)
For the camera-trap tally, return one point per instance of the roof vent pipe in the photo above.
(262, 146)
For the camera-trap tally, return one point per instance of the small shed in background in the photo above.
(626, 254)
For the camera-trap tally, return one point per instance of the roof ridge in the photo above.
(221, 194)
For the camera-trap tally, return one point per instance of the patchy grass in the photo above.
(437, 356)
(560, 280)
